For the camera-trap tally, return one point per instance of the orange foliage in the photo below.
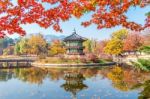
(107, 13)
(133, 41)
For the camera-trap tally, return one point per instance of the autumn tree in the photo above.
(133, 41)
(120, 34)
(22, 47)
(102, 45)
(146, 36)
(114, 47)
(105, 13)
(90, 45)
(57, 47)
(37, 44)
(115, 44)
(101, 50)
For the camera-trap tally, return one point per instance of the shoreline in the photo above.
(83, 65)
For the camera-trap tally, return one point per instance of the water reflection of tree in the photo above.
(145, 93)
(37, 75)
(122, 79)
(74, 83)
(125, 79)
(31, 75)
(55, 74)
(5, 75)
(116, 75)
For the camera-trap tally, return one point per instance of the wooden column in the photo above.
(27, 63)
(7, 63)
(17, 64)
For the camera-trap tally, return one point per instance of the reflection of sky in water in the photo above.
(102, 88)
(98, 88)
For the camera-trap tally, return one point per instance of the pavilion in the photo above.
(74, 44)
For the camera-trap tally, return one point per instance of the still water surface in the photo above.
(87, 83)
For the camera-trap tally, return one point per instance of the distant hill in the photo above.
(49, 37)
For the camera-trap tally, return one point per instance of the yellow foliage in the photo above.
(120, 34)
(57, 48)
(116, 74)
(117, 77)
(37, 44)
(114, 46)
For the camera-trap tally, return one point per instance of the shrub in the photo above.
(142, 64)
(106, 57)
(42, 56)
(93, 58)
(102, 61)
(145, 49)
(83, 60)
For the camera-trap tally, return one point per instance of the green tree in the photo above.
(5, 42)
(17, 49)
(90, 45)
(22, 46)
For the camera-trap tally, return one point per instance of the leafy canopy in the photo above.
(56, 48)
(134, 41)
(115, 44)
(106, 13)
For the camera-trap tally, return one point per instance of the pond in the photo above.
(74, 83)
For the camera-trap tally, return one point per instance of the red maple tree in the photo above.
(106, 13)
(133, 41)
(146, 35)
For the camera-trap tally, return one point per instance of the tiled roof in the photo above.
(74, 36)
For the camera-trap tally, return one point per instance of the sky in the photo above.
(135, 14)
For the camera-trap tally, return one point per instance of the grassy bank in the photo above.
(58, 60)
(142, 64)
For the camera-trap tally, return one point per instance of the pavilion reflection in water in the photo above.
(74, 79)
(74, 83)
